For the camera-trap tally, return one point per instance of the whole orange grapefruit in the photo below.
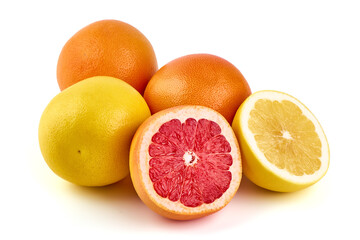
(107, 48)
(198, 79)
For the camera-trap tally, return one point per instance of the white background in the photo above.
(309, 49)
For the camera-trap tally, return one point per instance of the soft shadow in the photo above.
(193, 227)
(252, 191)
(122, 190)
(118, 202)
(251, 201)
(122, 198)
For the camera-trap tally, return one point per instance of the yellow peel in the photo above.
(283, 145)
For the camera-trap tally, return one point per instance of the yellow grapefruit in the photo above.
(86, 130)
(283, 145)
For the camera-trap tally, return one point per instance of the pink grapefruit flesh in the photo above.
(185, 162)
(190, 161)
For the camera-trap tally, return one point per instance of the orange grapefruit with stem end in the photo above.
(185, 162)
(107, 48)
(198, 79)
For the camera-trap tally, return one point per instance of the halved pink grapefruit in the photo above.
(185, 162)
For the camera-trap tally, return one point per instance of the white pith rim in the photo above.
(248, 135)
(182, 114)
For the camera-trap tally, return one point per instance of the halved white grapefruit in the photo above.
(284, 148)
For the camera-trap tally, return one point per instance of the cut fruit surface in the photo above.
(283, 145)
(185, 162)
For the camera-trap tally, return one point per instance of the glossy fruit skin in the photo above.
(198, 79)
(107, 48)
(86, 130)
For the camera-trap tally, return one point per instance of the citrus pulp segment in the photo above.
(283, 145)
(185, 162)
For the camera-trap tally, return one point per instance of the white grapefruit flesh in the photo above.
(283, 145)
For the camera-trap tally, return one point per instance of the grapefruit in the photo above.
(198, 79)
(107, 48)
(185, 162)
(86, 130)
(283, 145)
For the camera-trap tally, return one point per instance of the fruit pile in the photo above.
(186, 132)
